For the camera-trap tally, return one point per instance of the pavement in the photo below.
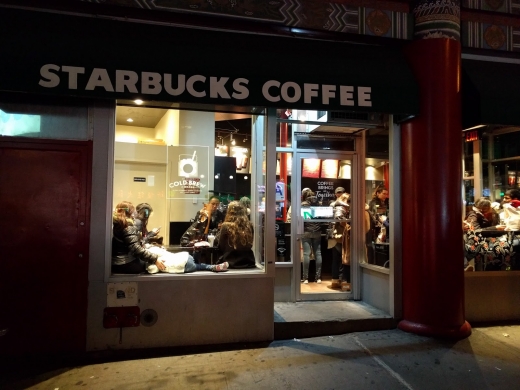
(383, 359)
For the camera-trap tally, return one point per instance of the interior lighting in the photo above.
(474, 127)
(245, 178)
(129, 120)
(138, 101)
(233, 142)
(231, 176)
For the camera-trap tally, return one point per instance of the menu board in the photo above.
(311, 167)
(329, 169)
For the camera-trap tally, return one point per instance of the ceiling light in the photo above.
(233, 142)
(138, 101)
(129, 120)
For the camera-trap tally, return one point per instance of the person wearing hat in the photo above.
(338, 192)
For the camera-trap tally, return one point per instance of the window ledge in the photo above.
(230, 274)
(375, 268)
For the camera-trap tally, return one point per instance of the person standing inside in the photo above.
(341, 251)
(378, 209)
(337, 192)
(311, 239)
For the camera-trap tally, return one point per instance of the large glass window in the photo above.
(198, 172)
(490, 231)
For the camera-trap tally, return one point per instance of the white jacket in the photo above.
(511, 217)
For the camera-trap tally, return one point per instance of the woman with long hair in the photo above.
(235, 238)
(128, 255)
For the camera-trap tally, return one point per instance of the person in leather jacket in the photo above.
(128, 254)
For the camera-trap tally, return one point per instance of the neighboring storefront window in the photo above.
(185, 165)
(490, 225)
(54, 119)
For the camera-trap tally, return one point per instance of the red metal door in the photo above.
(44, 235)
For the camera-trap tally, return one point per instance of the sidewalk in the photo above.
(386, 359)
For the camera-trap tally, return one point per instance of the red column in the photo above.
(433, 274)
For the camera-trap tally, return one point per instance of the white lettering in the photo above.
(328, 92)
(128, 79)
(217, 87)
(240, 87)
(73, 72)
(49, 79)
(189, 85)
(265, 90)
(151, 83)
(310, 91)
(364, 97)
(181, 84)
(99, 78)
(346, 95)
(285, 92)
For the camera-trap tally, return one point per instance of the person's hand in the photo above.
(160, 263)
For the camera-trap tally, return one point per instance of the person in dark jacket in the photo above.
(128, 255)
(311, 239)
(207, 220)
(235, 238)
(143, 211)
(476, 217)
(341, 251)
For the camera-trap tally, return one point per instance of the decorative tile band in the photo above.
(437, 19)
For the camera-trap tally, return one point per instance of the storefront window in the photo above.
(197, 171)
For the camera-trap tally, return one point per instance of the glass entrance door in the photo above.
(321, 224)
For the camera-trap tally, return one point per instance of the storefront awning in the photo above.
(94, 57)
(490, 93)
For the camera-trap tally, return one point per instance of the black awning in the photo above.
(62, 54)
(490, 93)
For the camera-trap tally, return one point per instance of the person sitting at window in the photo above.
(211, 210)
(128, 255)
(476, 218)
(180, 263)
(235, 238)
(208, 220)
(143, 211)
(512, 211)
